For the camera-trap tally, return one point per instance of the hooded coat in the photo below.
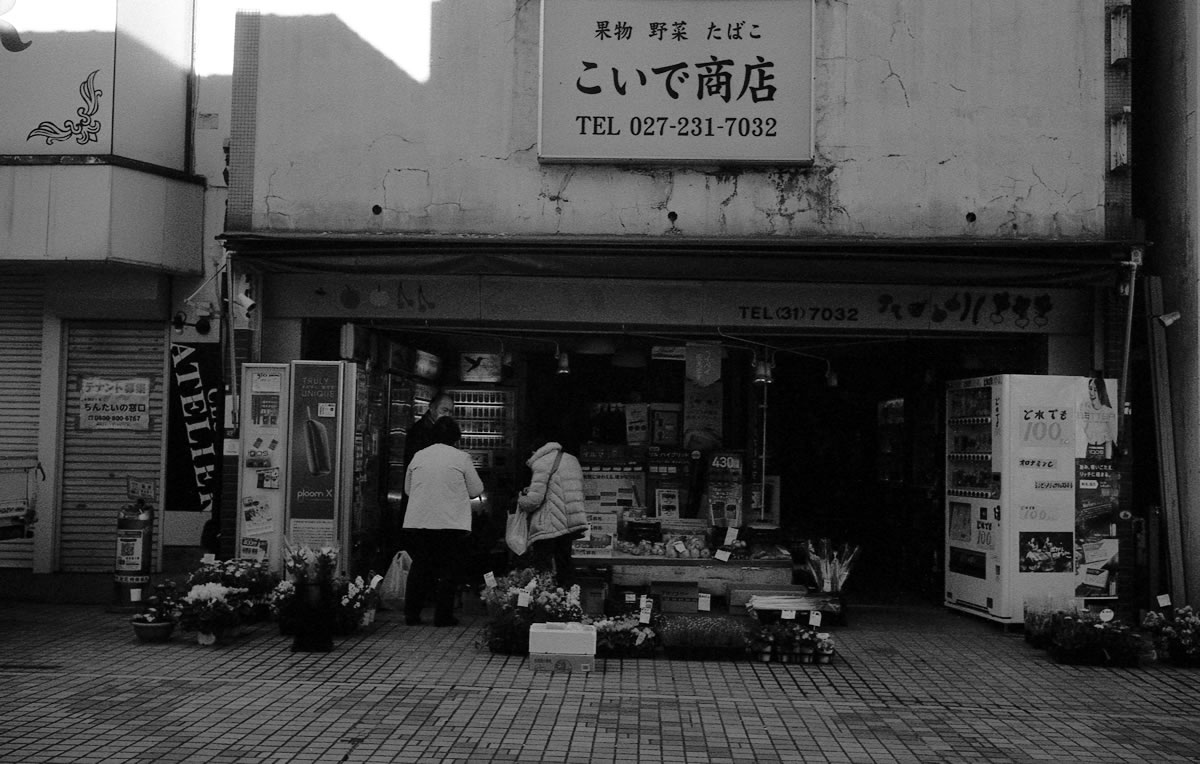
(563, 511)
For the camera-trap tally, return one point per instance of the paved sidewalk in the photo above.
(908, 685)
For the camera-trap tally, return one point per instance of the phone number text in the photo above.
(796, 313)
(679, 127)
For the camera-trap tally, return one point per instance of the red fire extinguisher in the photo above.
(135, 524)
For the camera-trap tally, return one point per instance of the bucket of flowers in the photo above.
(520, 599)
(1087, 639)
(213, 611)
(1176, 635)
(312, 571)
(282, 604)
(160, 613)
(350, 598)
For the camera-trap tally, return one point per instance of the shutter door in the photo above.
(97, 464)
(21, 305)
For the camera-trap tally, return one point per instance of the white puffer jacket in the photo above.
(563, 511)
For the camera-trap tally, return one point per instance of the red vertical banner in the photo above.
(314, 453)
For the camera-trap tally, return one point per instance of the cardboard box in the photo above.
(562, 638)
(562, 662)
(676, 596)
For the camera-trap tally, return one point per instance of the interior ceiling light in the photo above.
(564, 363)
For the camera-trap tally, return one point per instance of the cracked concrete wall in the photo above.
(944, 118)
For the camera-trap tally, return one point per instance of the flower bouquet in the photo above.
(522, 598)
(350, 604)
(282, 604)
(624, 637)
(212, 611)
(1176, 635)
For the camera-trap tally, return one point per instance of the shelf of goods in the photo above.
(713, 576)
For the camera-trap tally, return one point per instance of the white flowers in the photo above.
(211, 592)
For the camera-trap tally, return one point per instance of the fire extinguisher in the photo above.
(135, 524)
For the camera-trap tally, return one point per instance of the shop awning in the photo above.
(961, 262)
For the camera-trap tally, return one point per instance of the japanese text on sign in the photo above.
(677, 80)
(108, 404)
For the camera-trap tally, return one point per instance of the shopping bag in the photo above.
(391, 589)
(516, 532)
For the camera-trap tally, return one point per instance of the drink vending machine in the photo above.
(1031, 492)
(309, 439)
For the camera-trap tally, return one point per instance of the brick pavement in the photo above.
(920, 684)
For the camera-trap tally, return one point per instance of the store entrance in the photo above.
(854, 426)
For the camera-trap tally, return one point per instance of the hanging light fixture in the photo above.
(564, 363)
(762, 369)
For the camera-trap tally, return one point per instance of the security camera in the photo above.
(245, 303)
(1166, 319)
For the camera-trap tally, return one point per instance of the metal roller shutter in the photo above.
(98, 463)
(22, 297)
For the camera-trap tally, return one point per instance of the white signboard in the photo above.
(114, 404)
(677, 80)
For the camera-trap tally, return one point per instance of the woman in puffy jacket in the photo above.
(554, 501)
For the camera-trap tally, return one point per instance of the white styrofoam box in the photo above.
(564, 638)
(561, 662)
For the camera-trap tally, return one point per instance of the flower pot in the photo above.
(153, 632)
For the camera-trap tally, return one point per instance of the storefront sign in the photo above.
(677, 80)
(120, 404)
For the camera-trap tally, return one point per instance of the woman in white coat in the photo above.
(557, 516)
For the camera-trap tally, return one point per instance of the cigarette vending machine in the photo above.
(1021, 451)
(309, 441)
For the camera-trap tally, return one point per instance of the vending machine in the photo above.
(309, 451)
(1021, 455)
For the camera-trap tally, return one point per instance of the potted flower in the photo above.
(212, 611)
(520, 599)
(282, 604)
(312, 573)
(1084, 639)
(254, 576)
(824, 647)
(688, 637)
(624, 637)
(159, 615)
(1176, 635)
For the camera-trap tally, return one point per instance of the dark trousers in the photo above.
(554, 555)
(437, 565)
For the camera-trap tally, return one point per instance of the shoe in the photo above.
(412, 620)
(451, 621)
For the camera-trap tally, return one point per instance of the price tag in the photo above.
(489, 578)
(208, 559)
(630, 598)
(644, 601)
(1107, 615)
(523, 599)
(1164, 600)
(730, 535)
(722, 555)
(814, 618)
(644, 615)
(135, 595)
(788, 615)
(680, 547)
(704, 602)
(376, 581)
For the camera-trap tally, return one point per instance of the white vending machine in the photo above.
(1022, 452)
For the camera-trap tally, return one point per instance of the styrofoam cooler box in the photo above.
(561, 662)
(562, 638)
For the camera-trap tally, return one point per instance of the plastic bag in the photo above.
(395, 581)
(516, 532)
